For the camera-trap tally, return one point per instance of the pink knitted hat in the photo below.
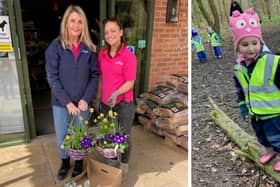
(245, 24)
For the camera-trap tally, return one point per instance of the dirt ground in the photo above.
(213, 161)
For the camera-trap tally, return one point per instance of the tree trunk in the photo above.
(195, 15)
(262, 7)
(249, 147)
(221, 12)
(216, 25)
(257, 9)
(267, 7)
(205, 13)
(226, 12)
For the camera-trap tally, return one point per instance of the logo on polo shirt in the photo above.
(85, 51)
(119, 63)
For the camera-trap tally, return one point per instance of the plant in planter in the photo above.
(110, 140)
(78, 143)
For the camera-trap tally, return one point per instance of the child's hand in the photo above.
(247, 118)
(244, 112)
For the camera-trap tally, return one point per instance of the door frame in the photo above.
(15, 19)
(149, 32)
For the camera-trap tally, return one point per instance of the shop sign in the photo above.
(131, 48)
(5, 35)
(141, 44)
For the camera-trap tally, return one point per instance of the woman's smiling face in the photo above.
(74, 25)
(113, 33)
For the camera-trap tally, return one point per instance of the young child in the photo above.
(257, 79)
(197, 45)
(214, 40)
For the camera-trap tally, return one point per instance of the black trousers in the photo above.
(126, 113)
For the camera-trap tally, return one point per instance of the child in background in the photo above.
(257, 80)
(197, 45)
(214, 39)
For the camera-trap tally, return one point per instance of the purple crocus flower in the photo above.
(114, 140)
(109, 137)
(117, 134)
(101, 141)
(86, 142)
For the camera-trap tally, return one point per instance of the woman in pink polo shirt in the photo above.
(117, 76)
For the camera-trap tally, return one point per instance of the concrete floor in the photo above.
(152, 163)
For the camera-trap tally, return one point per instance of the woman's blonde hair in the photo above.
(84, 37)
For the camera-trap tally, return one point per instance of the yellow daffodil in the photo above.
(67, 137)
(95, 120)
(115, 114)
(91, 110)
(110, 113)
(101, 115)
(105, 120)
(86, 122)
(98, 117)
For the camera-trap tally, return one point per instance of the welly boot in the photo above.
(62, 172)
(78, 168)
(269, 155)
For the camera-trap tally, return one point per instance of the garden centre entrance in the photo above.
(37, 24)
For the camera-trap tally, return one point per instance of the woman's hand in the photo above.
(112, 99)
(83, 105)
(72, 109)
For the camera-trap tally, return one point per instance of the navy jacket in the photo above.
(71, 80)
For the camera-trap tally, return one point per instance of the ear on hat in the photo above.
(250, 11)
(236, 13)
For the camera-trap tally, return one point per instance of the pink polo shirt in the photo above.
(75, 50)
(115, 72)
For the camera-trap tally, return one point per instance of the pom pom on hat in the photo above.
(194, 32)
(245, 24)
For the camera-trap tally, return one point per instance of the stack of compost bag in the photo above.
(163, 110)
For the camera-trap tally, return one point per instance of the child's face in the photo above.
(249, 47)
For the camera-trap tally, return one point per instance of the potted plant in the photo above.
(110, 140)
(78, 143)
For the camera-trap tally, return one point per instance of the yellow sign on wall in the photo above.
(5, 35)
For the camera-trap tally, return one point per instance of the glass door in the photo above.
(133, 16)
(13, 100)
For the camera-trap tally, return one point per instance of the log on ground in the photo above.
(248, 144)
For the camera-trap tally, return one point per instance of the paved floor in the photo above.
(152, 163)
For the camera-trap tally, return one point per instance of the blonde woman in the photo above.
(72, 74)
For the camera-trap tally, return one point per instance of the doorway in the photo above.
(41, 22)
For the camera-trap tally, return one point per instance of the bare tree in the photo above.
(216, 25)
(205, 13)
(196, 15)
(226, 11)
(267, 7)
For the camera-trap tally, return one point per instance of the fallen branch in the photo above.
(249, 146)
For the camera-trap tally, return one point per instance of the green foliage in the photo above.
(275, 20)
(76, 133)
(110, 133)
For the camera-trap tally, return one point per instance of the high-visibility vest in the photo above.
(212, 38)
(262, 96)
(198, 45)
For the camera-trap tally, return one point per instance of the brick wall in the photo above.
(169, 44)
